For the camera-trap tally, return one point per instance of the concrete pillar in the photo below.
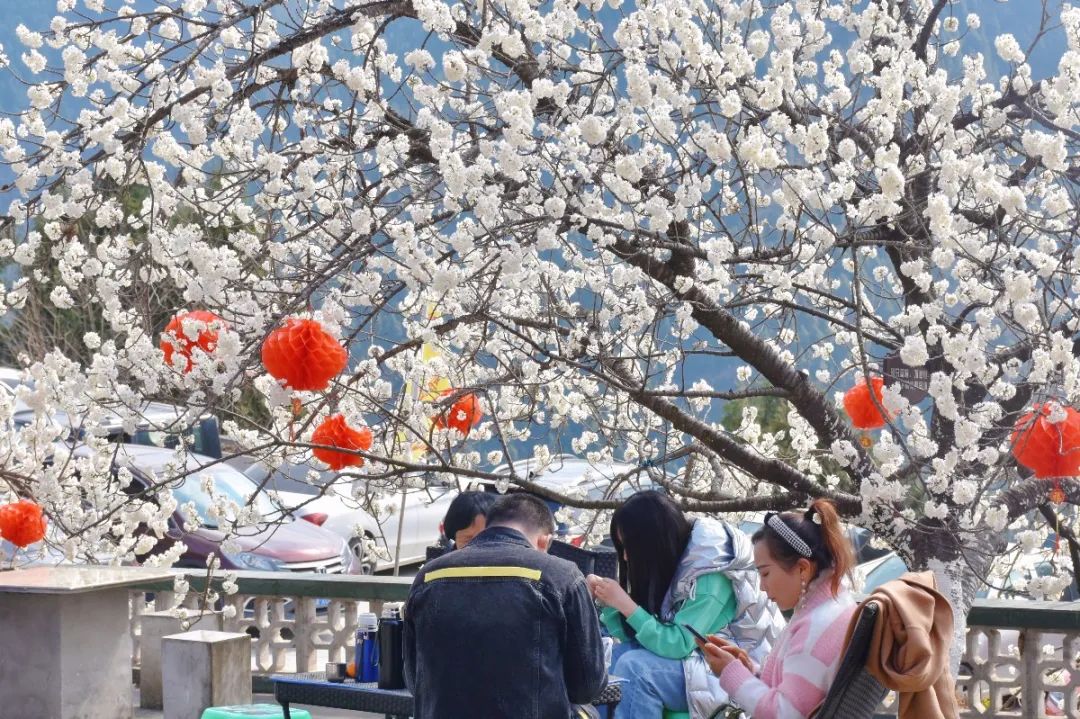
(58, 652)
(203, 669)
(155, 627)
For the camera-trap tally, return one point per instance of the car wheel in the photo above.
(367, 561)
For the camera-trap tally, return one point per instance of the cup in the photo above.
(335, 672)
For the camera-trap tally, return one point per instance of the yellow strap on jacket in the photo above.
(483, 572)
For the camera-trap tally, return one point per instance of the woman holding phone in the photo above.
(803, 559)
(675, 575)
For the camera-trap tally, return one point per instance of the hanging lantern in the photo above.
(1049, 449)
(175, 340)
(335, 432)
(304, 355)
(860, 407)
(463, 414)
(22, 523)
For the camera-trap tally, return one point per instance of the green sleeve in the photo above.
(711, 608)
(614, 623)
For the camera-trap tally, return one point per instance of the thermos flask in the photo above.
(391, 649)
(367, 648)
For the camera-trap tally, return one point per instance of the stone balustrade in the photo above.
(1014, 649)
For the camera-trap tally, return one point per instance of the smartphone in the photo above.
(696, 633)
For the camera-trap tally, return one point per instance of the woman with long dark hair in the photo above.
(803, 559)
(673, 573)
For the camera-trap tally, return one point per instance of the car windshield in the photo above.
(234, 486)
(290, 477)
(199, 440)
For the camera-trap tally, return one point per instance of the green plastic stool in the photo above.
(246, 711)
(668, 714)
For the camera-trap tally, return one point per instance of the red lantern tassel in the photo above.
(297, 409)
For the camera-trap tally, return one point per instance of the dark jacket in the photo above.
(500, 630)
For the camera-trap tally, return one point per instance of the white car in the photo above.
(572, 476)
(10, 379)
(299, 485)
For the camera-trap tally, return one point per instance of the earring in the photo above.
(802, 596)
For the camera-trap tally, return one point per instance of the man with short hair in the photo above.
(501, 630)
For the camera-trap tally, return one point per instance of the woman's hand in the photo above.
(608, 592)
(719, 653)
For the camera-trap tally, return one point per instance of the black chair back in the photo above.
(435, 551)
(854, 693)
(590, 561)
(583, 558)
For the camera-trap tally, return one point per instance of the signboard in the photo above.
(914, 381)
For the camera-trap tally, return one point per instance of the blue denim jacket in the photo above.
(500, 630)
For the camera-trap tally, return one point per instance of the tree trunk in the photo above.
(957, 582)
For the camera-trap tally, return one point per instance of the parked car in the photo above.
(157, 426)
(569, 476)
(278, 544)
(299, 485)
(10, 379)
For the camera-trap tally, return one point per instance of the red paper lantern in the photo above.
(861, 408)
(335, 432)
(22, 523)
(180, 342)
(304, 355)
(463, 414)
(1047, 448)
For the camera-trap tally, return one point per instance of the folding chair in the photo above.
(855, 694)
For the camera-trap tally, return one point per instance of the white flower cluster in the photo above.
(685, 224)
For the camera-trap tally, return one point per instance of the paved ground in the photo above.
(316, 712)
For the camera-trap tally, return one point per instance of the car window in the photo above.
(165, 440)
(236, 487)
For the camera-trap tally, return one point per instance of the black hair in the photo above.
(464, 510)
(829, 545)
(650, 534)
(529, 512)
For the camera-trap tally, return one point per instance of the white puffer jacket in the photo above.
(716, 546)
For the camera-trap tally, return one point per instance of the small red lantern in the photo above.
(304, 355)
(178, 341)
(861, 408)
(335, 432)
(463, 414)
(22, 523)
(1049, 449)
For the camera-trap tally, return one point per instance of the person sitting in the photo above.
(500, 628)
(803, 559)
(673, 572)
(466, 517)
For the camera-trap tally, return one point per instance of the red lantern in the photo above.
(336, 433)
(304, 355)
(22, 523)
(206, 340)
(1049, 449)
(861, 408)
(463, 414)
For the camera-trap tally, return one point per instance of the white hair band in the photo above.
(788, 534)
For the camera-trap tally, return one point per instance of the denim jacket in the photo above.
(498, 629)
